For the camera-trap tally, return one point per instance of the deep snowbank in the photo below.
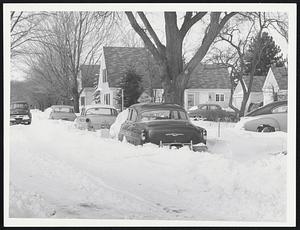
(57, 171)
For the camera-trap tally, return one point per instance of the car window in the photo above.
(203, 107)
(213, 107)
(133, 115)
(163, 115)
(63, 110)
(19, 106)
(280, 109)
(100, 111)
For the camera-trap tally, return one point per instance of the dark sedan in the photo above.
(211, 112)
(20, 113)
(163, 125)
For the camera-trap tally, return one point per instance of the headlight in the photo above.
(25, 117)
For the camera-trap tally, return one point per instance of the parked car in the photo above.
(20, 113)
(269, 118)
(211, 112)
(163, 125)
(96, 116)
(62, 112)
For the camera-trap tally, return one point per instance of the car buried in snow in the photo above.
(94, 117)
(162, 124)
(62, 112)
(20, 113)
(269, 118)
(211, 112)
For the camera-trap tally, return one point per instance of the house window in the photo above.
(104, 76)
(220, 97)
(191, 100)
(107, 99)
(82, 101)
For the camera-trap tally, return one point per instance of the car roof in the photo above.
(59, 106)
(21, 102)
(151, 106)
(99, 106)
(266, 108)
(208, 104)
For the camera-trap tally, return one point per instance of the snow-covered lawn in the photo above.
(57, 171)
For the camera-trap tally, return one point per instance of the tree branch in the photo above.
(152, 33)
(143, 35)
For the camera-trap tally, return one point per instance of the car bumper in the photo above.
(197, 147)
(20, 121)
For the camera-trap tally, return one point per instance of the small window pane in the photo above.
(191, 100)
(280, 109)
(213, 107)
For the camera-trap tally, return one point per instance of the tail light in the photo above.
(143, 135)
(204, 133)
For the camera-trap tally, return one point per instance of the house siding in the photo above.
(88, 97)
(202, 96)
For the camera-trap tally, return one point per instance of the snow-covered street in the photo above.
(57, 171)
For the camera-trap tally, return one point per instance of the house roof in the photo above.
(88, 74)
(119, 59)
(257, 84)
(281, 76)
(209, 76)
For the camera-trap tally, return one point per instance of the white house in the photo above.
(209, 83)
(263, 87)
(276, 82)
(87, 81)
(114, 63)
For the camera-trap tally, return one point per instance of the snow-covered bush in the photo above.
(115, 127)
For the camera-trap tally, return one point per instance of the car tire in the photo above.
(268, 129)
(265, 128)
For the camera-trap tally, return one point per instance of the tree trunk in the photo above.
(174, 92)
(174, 79)
(244, 104)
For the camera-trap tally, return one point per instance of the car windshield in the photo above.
(63, 110)
(163, 115)
(101, 111)
(19, 106)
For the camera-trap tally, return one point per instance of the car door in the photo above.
(279, 113)
(134, 128)
(214, 112)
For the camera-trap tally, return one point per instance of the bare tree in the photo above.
(23, 29)
(70, 40)
(237, 57)
(169, 56)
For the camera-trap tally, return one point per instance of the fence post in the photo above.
(219, 124)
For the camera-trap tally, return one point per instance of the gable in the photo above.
(270, 82)
(281, 76)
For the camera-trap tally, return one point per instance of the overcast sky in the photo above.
(192, 41)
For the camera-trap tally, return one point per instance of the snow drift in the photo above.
(57, 171)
